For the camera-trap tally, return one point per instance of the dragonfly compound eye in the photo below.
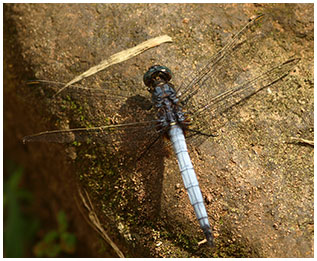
(156, 71)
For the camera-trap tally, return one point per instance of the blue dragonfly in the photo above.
(185, 113)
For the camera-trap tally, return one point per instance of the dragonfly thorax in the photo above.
(165, 100)
(164, 95)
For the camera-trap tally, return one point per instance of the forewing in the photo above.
(78, 89)
(224, 66)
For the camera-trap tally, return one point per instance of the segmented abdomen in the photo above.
(189, 178)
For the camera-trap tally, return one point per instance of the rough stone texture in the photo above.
(257, 182)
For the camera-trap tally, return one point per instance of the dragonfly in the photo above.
(183, 114)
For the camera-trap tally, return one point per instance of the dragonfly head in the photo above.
(155, 74)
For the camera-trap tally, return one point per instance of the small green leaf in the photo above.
(50, 236)
(62, 221)
(68, 242)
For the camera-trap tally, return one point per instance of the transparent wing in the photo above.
(76, 89)
(221, 64)
(236, 72)
(89, 135)
(132, 138)
(220, 103)
(135, 126)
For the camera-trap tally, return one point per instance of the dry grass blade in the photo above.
(300, 140)
(120, 57)
(94, 221)
(202, 242)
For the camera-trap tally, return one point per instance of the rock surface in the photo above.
(257, 182)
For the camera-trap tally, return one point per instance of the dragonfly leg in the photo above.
(202, 133)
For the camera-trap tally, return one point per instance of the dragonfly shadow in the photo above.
(143, 146)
